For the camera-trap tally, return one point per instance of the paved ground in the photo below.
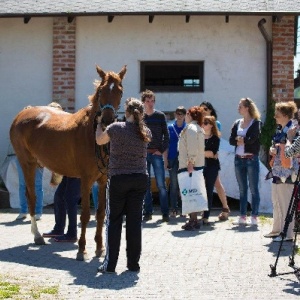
(218, 262)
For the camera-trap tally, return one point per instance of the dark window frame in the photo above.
(172, 88)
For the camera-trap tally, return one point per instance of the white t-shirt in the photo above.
(240, 150)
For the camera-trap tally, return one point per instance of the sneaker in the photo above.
(173, 214)
(165, 218)
(279, 238)
(52, 233)
(252, 221)
(21, 216)
(272, 234)
(147, 217)
(240, 221)
(102, 269)
(65, 239)
(38, 217)
(205, 222)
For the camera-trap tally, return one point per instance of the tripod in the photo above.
(293, 212)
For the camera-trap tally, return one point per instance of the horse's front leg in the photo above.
(100, 215)
(84, 218)
(38, 239)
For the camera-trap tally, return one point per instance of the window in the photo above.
(172, 76)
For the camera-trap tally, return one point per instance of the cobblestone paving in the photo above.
(221, 261)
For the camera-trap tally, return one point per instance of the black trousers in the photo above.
(124, 196)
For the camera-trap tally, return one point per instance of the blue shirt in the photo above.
(174, 132)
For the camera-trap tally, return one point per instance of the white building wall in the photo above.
(234, 54)
(25, 70)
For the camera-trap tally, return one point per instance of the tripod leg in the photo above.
(288, 219)
(296, 229)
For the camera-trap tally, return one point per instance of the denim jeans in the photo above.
(157, 163)
(174, 188)
(95, 190)
(38, 190)
(248, 170)
(66, 199)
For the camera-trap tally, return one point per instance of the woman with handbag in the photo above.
(212, 163)
(284, 170)
(191, 153)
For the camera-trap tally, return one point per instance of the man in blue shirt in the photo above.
(174, 132)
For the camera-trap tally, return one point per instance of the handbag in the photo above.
(193, 191)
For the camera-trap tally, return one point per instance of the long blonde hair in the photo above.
(252, 108)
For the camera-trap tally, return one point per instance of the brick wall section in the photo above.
(63, 68)
(283, 59)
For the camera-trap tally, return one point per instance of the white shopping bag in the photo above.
(193, 191)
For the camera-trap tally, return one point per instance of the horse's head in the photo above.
(109, 93)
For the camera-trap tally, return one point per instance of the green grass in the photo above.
(263, 219)
(12, 288)
(8, 290)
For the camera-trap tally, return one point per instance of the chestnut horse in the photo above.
(65, 144)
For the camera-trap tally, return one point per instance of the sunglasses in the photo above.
(205, 108)
(206, 123)
(180, 114)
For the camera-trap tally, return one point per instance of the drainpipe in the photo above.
(269, 58)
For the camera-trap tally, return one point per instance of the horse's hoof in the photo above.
(98, 253)
(39, 241)
(81, 256)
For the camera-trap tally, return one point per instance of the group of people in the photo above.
(144, 142)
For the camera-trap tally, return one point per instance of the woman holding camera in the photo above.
(284, 170)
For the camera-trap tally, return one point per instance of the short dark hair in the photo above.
(147, 94)
(180, 109)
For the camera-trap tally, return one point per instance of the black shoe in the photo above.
(52, 233)
(147, 217)
(102, 269)
(165, 218)
(135, 268)
(65, 239)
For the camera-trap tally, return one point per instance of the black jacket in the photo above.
(251, 139)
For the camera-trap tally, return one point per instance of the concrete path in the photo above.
(218, 262)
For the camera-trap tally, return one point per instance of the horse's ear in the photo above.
(100, 72)
(122, 72)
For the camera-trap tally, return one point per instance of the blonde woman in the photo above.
(245, 137)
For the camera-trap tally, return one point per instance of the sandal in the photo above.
(223, 216)
(191, 225)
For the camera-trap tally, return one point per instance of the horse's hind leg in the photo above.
(100, 215)
(29, 175)
(84, 218)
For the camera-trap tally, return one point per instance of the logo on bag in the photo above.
(190, 191)
(184, 192)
